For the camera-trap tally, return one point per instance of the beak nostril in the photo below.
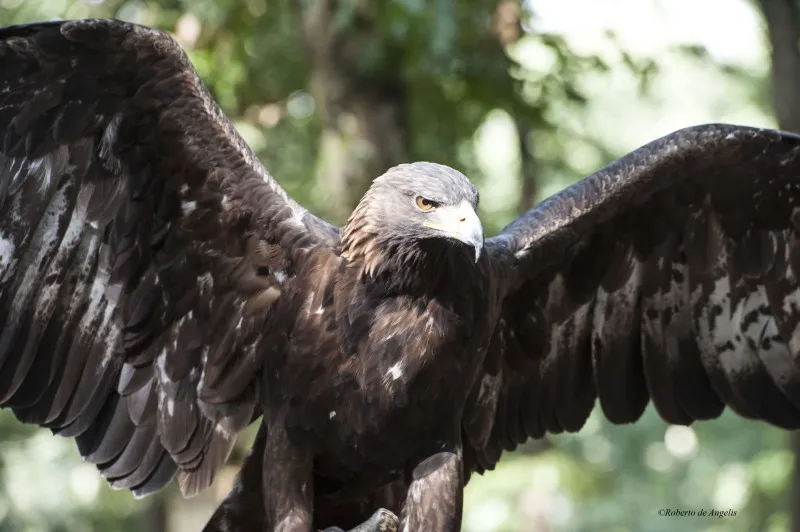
(462, 220)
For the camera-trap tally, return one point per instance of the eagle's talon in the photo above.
(381, 521)
(385, 521)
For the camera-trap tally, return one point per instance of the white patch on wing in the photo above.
(679, 325)
(107, 332)
(109, 136)
(755, 304)
(395, 372)
(486, 406)
(720, 328)
(188, 207)
(565, 340)
(565, 335)
(319, 311)
(203, 360)
(18, 168)
(613, 312)
(332, 414)
(490, 388)
(775, 355)
(206, 281)
(309, 302)
(223, 430)
(279, 276)
(42, 242)
(790, 306)
(718, 324)
(45, 168)
(161, 365)
(166, 400)
(90, 325)
(7, 249)
(48, 293)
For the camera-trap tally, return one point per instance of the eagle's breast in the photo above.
(409, 336)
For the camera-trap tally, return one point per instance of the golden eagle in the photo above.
(159, 292)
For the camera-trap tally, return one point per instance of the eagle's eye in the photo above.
(424, 204)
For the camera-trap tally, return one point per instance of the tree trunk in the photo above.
(361, 103)
(783, 24)
(529, 175)
(157, 514)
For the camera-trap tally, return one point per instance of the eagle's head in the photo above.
(411, 208)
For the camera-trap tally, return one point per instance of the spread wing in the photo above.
(141, 246)
(671, 275)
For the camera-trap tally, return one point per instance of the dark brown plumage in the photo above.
(159, 292)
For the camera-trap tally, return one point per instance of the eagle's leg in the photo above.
(287, 483)
(381, 521)
(434, 499)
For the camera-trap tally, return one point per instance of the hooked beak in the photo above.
(459, 222)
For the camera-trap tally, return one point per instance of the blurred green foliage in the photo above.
(473, 102)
